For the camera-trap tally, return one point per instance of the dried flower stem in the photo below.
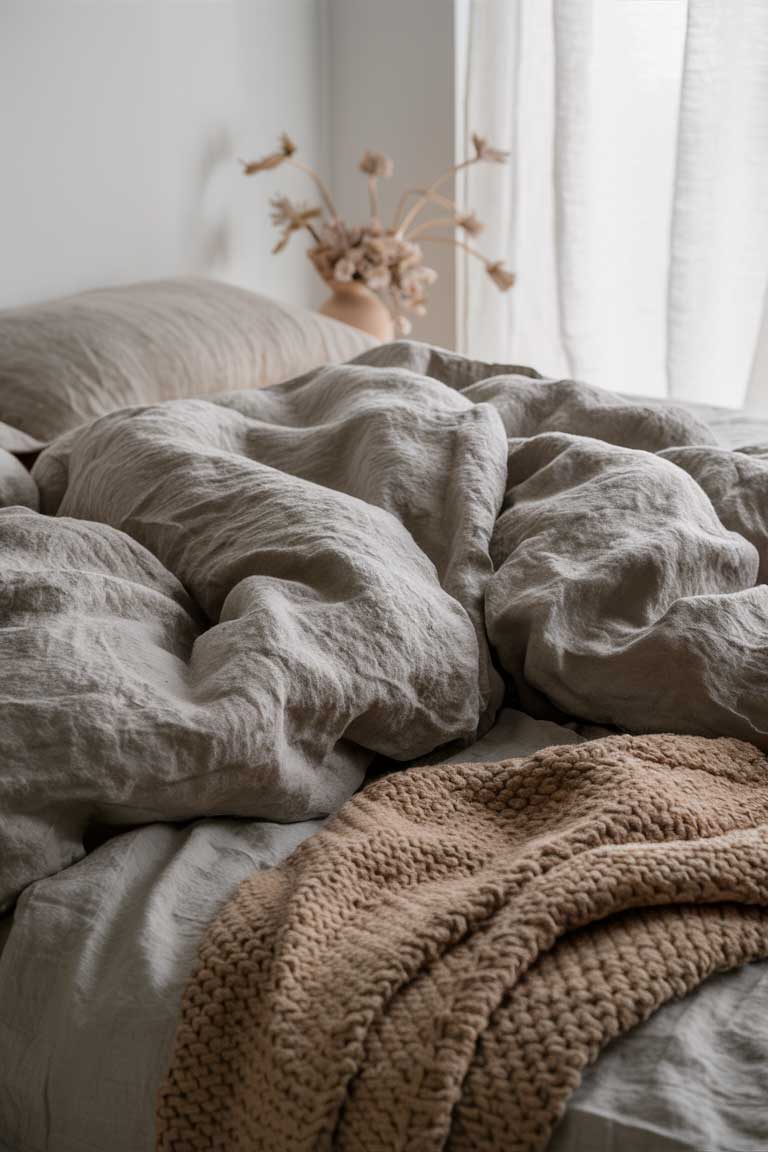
(373, 197)
(435, 197)
(438, 222)
(320, 184)
(501, 276)
(455, 243)
(421, 203)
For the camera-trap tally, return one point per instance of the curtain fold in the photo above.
(719, 253)
(635, 209)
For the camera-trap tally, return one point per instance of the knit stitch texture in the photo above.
(438, 965)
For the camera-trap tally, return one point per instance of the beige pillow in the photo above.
(66, 361)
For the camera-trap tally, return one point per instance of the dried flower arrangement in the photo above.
(387, 261)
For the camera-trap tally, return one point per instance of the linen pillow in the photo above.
(67, 361)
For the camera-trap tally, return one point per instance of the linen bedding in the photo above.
(235, 606)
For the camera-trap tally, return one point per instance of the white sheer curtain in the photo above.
(635, 209)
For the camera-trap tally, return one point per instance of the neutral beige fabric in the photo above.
(65, 361)
(437, 966)
(628, 545)
(16, 484)
(234, 603)
(232, 611)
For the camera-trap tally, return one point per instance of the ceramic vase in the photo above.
(355, 304)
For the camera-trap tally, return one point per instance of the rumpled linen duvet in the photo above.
(230, 607)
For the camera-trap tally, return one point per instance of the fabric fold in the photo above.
(438, 965)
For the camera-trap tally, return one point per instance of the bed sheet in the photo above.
(93, 971)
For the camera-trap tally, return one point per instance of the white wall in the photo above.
(120, 124)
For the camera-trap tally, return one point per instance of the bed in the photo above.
(230, 611)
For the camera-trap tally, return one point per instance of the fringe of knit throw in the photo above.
(438, 965)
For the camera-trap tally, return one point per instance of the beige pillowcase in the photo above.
(66, 361)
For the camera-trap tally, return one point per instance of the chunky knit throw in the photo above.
(438, 965)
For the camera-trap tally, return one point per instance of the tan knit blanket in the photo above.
(436, 968)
